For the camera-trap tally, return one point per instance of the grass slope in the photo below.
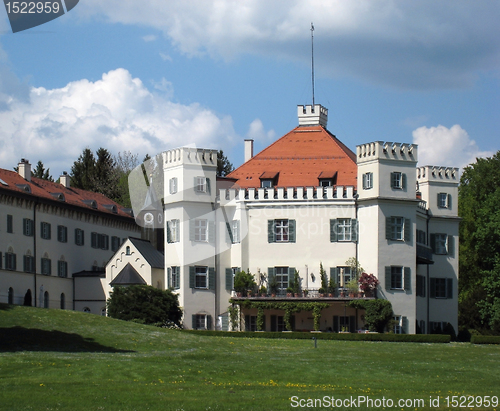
(65, 360)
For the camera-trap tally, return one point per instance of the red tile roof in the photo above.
(50, 191)
(300, 157)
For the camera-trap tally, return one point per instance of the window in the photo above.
(46, 266)
(398, 180)
(62, 269)
(398, 324)
(29, 264)
(421, 237)
(202, 277)
(266, 183)
(282, 277)
(398, 229)
(173, 185)
(325, 182)
(230, 274)
(173, 231)
(250, 323)
(397, 278)
(441, 288)
(115, 243)
(62, 234)
(174, 277)
(343, 229)
(367, 181)
(10, 261)
(202, 185)
(443, 244)
(100, 241)
(420, 286)
(444, 200)
(278, 323)
(28, 227)
(86, 310)
(281, 231)
(200, 230)
(201, 322)
(343, 276)
(45, 230)
(233, 232)
(10, 228)
(79, 237)
(127, 251)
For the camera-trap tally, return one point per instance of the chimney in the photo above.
(248, 149)
(25, 169)
(65, 179)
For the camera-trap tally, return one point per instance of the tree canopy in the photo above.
(144, 304)
(224, 166)
(479, 279)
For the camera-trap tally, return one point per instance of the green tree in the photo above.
(40, 172)
(479, 280)
(83, 171)
(224, 166)
(144, 304)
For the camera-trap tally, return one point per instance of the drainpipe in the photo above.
(357, 237)
(428, 280)
(216, 266)
(35, 291)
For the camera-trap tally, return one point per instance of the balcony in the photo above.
(306, 295)
(424, 254)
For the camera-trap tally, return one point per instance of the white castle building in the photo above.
(304, 200)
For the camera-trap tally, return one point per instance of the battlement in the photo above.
(380, 150)
(312, 115)
(436, 173)
(190, 155)
(293, 194)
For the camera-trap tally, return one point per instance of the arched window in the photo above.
(127, 251)
(63, 301)
(86, 309)
(46, 299)
(103, 311)
(11, 296)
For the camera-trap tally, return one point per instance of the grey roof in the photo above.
(100, 273)
(128, 276)
(154, 258)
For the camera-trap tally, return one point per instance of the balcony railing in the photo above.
(310, 293)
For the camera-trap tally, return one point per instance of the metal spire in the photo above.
(312, 59)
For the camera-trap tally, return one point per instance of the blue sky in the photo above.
(149, 75)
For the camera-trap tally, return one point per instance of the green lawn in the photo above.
(64, 360)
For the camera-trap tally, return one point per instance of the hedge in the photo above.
(485, 339)
(423, 338)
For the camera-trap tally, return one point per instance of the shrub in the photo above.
(485, 339)
(243, 282)
(144, 304)
(378, 313)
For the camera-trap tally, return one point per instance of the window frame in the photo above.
(45, 230)
(282, 277)
(173, 185)
(201, 185)
(46, 266)
(79, 237)
(344, 229)
(367, 181)
(62, 234)
(201, 230)
(397, 271)
(28, 227)
(282, 230)
(201, 278)
(10, 261)
(62, 269)
(10, 224)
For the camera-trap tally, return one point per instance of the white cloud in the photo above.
(117, 112)
(424, 44)
(442, 146)
(165, 57)
(149, 37)
(257, 132)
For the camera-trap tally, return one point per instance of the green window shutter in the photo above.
(209, 322)
(178, 283)
(449, 288)
(433, 243)
(169, 234)
(354, 230)
(449, 201)
(271, 234)
(192, 275)
(407, 278)
(191, 230)
(393, 179)
(291, 231)
(333, 231)
(169, 277)
(404, 325)
(193, 321)
(407, 230)
(388, 228)
(387, 277)
(229, 279)
(211, 278)
(403, 181)
(211, 231)
(237, 234)
(333, 273)
(291, 274)
(270, 274)
(432, 288)
(438, 202)
(229, 234)
(0, 260)
(208, 186)
(451, 246)
(195, 183)
(364, 182)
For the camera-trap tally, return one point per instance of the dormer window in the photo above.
(269, 179)
(111, 207)
(58, 196)
(24, 187)
(266, 183)
(91, 203)
(327, 178)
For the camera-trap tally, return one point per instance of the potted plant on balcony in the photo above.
(273, 286)
(296, 284)
(352, 286)
(368, 284)
(263, 291)
(332, 287)
(324, 283)
(244, 283)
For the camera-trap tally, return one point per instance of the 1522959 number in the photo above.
(32, 7)
(471, 401)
